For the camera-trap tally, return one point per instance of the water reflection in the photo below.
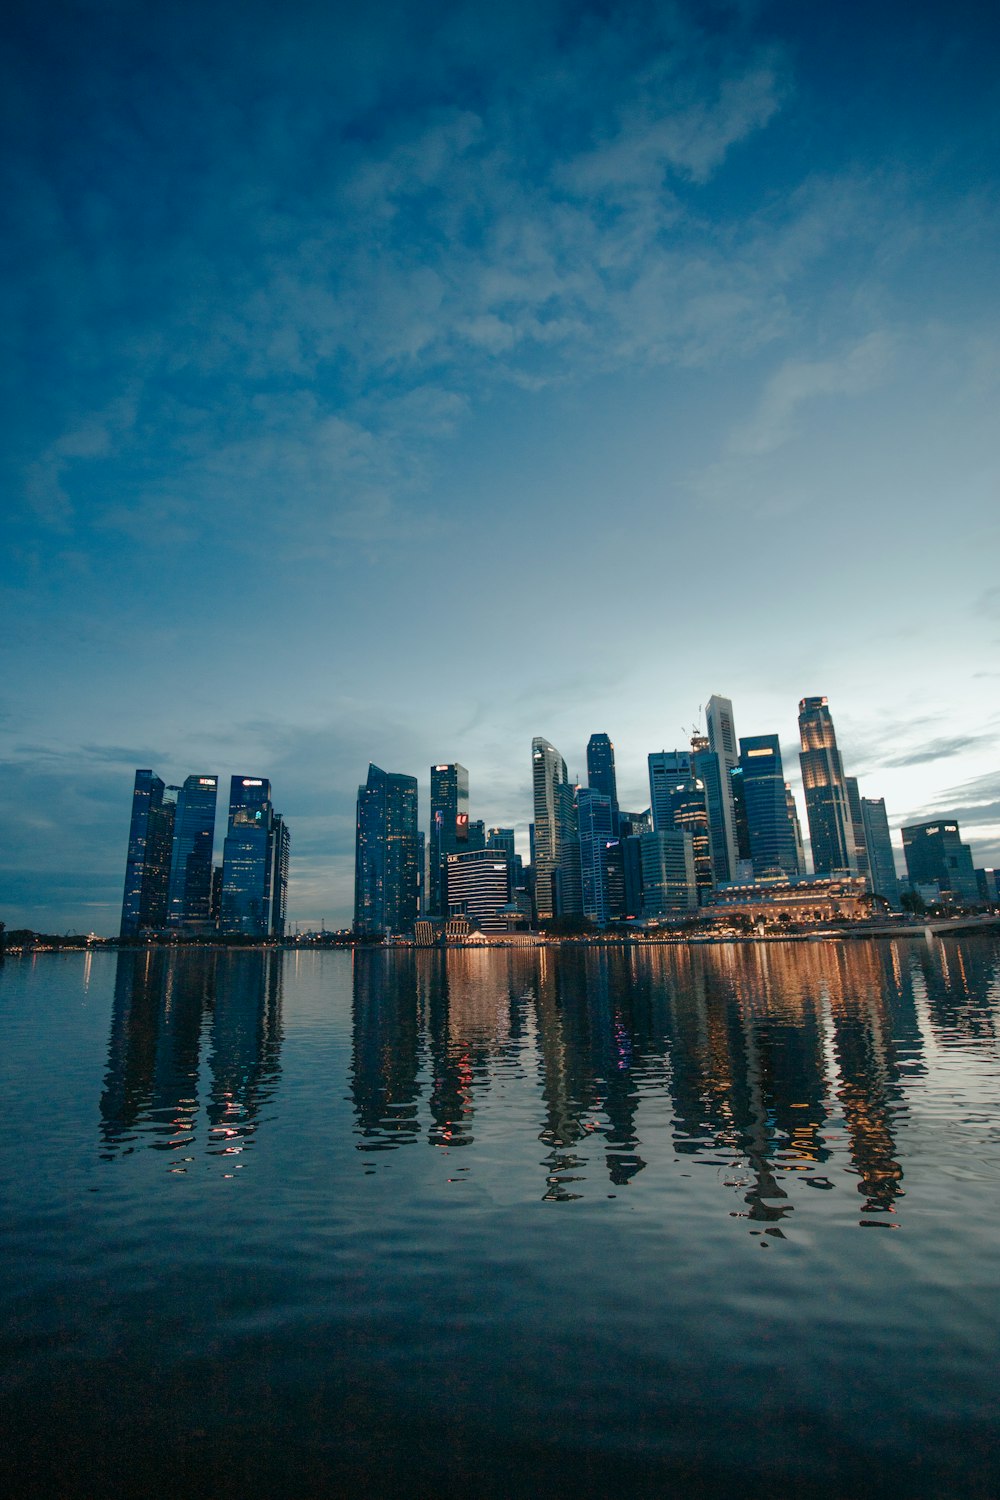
(779, 1066)
(194, 1048)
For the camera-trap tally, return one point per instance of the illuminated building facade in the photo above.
(765, 799)
(712, 770)
(386, 860)
(830, 828)
(147, 866)
(189, 901)
(935, 854)
(802, 898)
(478, 888)
(449, 830)
(690, 814)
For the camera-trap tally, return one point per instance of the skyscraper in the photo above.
(857, 824)
(601, 773)
(669, 888)
(449, 829)
(386, 864)
(722, 729)
(478, 886)
(147, 867)
(830, 831)
(765, 799)
(597, 827)
(666, 769)
(711, 769)
(254, 862)
(690, 814)
(878, 842)
(936, 855)
(557, 848)
(190, 896)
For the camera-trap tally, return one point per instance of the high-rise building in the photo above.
(689, 809)
(597, 827)
(254, 862)
(478, 887)
(147, 867)
(935, 854)
(765, 799)
(793, 818)
(711, 769)
(477, 836)
(632, 824)
(666, 769)
(601, 773)
(857, 824)
(190, 896)
(669, 888)
(831, 833)
(449, 829)
(386, 866)
(501, 838)
(878, 843)
(740, 825)
(557, 847)
(722, 730)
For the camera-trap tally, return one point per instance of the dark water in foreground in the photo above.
(666, 1222)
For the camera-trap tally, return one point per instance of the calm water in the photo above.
(709, 1222)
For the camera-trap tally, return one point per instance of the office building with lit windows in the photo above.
(935, 855)
(831, 832)
(147, 866)
(479, 888)
(254, 863)
(449, 830)
(557, 845)
(765, 798)
(387, 855)
(189, 901)
(601, 773)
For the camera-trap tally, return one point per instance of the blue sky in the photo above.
(396, 386)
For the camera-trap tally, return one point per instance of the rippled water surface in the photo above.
(703, 1222)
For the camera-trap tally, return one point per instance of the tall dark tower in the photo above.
(830, 830)
(449, 829)
(769, 826)
(387, 860)
(190, 897)
(147, 868)
(601, 773)
(254, 862)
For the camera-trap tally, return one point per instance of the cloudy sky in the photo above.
(396, 383)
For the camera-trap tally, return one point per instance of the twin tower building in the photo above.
(171, 882)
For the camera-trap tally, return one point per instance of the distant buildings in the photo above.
(770, 831)
(601, 773)
(878, 843)
(479, 888)
(557, 845)
(449, 829)
(170, 880)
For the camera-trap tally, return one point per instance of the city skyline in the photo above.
(400, 387)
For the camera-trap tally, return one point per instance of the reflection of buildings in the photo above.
(775, 1064)
(165, 1004)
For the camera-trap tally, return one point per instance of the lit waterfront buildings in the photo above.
(666, 769)
(479, 888)
(831, 834)
(669, 886)
(387, 857)
(597, 825)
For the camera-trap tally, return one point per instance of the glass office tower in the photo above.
(557, 846)
(711, 769)
(190, 897)
(387, 858)
(256, 848)
(601, 773)
(881, 862)
(597, 824)
(666, 769)
(830, 829)
(449, 830)
(147, 867)
(765, 799)
(935, 855)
